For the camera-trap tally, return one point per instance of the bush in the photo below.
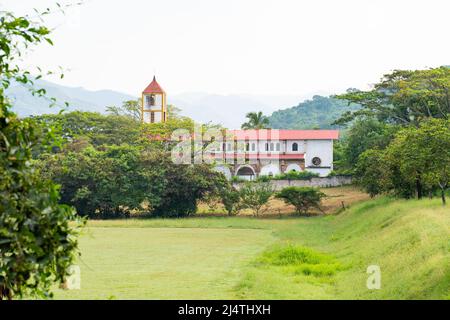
(302, 198)
(231, 199)
(255, 195)
(296, 175)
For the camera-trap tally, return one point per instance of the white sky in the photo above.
(242, 46)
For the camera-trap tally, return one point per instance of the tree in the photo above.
(37, 242)
(370, 171)
(365, 134)
(403, 97)
(129, 108)
(255, 196)
(99, 129)
(256, 120)
(302, 198)
(231, 200)
(422, 155)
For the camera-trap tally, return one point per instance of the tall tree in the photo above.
(129, 108)
(256, 120)
(403, 97)
(37, 242)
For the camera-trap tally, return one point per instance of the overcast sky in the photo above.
(244, 46)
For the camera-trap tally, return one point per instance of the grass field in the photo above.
(280, 258)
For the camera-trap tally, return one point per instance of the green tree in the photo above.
(231, 200)
(365, 134)
(422, 156)
(302, 198)
(97, 128)
(37, 243)
(403, 97)
(129, 108)
(370, 171)
(255, 196)
(256, 120)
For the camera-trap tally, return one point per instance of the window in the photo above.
(295, 146)
(228, 146)
(271, 146)
(150, 100)
(278, 146)
(316, 161)
(247, 147)
(152, 117)
(267, 147)
(253, 147)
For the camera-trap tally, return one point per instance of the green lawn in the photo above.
(220, 257)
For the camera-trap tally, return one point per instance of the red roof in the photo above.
(263, 155)
(153, 87)
(275, 134)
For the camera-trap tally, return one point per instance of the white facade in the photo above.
(322, 149)
(253, 153)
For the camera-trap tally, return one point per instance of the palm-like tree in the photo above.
(256, 120)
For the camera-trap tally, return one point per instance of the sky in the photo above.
(271, 47)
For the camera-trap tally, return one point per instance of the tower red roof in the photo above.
(154, 87)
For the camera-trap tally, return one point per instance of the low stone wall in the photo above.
(334, 181)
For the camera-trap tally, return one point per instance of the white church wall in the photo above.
(322, 149)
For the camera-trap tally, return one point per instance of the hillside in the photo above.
(319, 112)
(408, 240)
(79, 98)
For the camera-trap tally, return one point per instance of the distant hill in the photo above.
(79, 98)
(228, 110)
(319, 112)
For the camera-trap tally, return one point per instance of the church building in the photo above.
(249, 154)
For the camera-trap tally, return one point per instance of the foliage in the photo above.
(37, 243)
(415, 162)
(98, 129)
(255, 196)
(256, 120)
(129, 108)
(319, 112)
(296, 175)
(231, 200)
(422, 156)
(370, 171)
(365, 134)
(302, 198)
(121, 180)
(403, 97)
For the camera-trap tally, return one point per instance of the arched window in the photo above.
(278, 146)
(271, 146)
(295, 146)
(253, 147)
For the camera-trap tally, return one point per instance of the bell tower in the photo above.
(153, 104)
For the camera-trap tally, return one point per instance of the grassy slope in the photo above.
(409, 240)
(215, 257)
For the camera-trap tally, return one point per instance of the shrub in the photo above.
(231, 200)
(301, 260)
(302, 198)
(296, 175)
(255, 196)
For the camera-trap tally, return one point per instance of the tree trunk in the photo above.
(419, 188)
(443, 196)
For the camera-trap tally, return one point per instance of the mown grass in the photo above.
(289, 258)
